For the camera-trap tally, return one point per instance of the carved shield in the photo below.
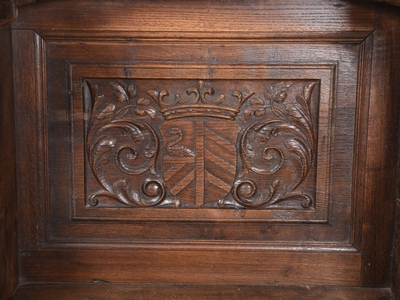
(199, 159)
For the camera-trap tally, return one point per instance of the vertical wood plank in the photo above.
(8, 203)
(380, 174)
(30, 111)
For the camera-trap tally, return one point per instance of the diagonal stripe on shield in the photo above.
(199, 159)
(220, 158)
(179, 158)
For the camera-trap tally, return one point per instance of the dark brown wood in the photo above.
(396, 248)
(208, 19)
(222, 142)
(183, 266)
(29, 136)
(394, 2)
(381, 151)
(8, 203)
(8, 11)
(98, 291)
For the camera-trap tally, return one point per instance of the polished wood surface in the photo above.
(211, 146)
(206, 143)
(252, 19)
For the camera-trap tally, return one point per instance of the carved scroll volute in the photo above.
(122, 151)
(277, 151)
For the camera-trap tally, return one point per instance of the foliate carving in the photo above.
(123, 151)
(267, 145)
(242, 148)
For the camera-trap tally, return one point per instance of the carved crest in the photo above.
(196, 148)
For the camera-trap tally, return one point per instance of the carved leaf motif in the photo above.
(143, 101)
(131, 91)
(256, 108)
(280, 113)
(119, 94)
(123, 146)
(106, 112)
(121, 113)
(260, 155)
(144, 108)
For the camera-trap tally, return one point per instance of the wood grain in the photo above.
(344, 239)
(98, 291)
(380, 175)
(29, 136)
(8, 203)
(211, 267)
(204, 18)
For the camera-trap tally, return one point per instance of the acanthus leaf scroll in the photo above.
(123, 151)
(139, 137)
(291, 127)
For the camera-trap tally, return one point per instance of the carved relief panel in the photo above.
(188, 151)
(197, 144)
(202, 147)
(162, 144)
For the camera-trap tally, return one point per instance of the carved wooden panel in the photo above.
(200, 143)
(244, 140)
(192, 139)
(191, 151)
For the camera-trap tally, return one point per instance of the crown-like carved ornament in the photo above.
(198, 102)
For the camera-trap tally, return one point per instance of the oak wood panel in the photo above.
(227, 267)
(62, 57)
(200, 55)
(8, 203)
(343, 22)
(213, 292)
(381, 150)
(204, 18)
(29, 136)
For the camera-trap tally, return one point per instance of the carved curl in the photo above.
(266, 146)
(123, 152)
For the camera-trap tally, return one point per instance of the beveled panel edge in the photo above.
(78, 71)
(31, 136)
(360, 140)
(238, 36)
